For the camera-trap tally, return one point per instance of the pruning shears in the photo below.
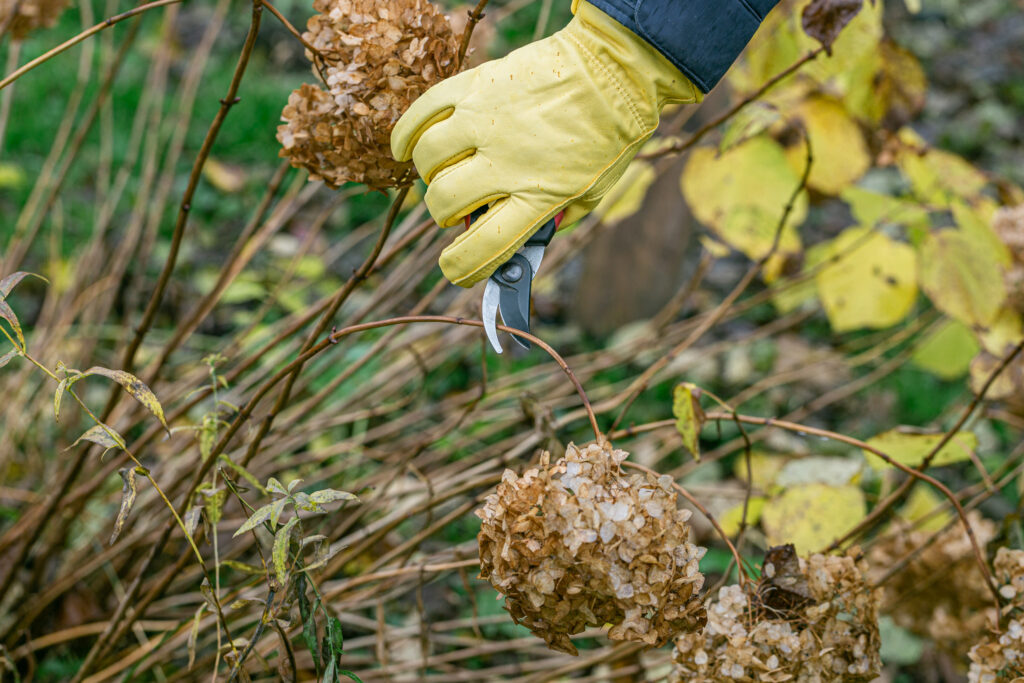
(508, 290)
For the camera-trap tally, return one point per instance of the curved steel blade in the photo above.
(489, 313)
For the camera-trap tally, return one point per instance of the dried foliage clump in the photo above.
(940, 593)
(580, 544)
(812, 619)
(29, 15)
(1000, 656)
(378, 58)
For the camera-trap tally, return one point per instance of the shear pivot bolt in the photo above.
(512, 272)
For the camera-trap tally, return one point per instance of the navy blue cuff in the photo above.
(701, 37)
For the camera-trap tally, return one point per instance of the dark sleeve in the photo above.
(701, 37)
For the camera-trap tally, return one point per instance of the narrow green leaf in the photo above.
(334, 635)
(292, 484)
(261, 515)
(346, 672)
(7, 357)
(128, 493)
(331, 495)
(243, 473)
(274, 486)
(242, 566)
(134, 386)
(7, 313)
(214, 503)
(9, 282)
(689, 416)
(331, 672)
(276, 510)
(308, 616)
(193, 635)
(282, 540)
(102, 435)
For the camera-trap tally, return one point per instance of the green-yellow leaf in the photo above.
(102, 435)
(244, 473)
(193, 635)
(910, 449)
(282, 540)
(225, 177)
(977, 226)
(134, 386)
(214, 503)
(764, 468)
(962, 277)
(873, 284)
(128, 493)
(731, 518)
(11, 176)
(811, 516)
(330, 495)
(689, 416)
(936, 176)
(872, 209)
(947, 352)
(741, 195)
(924, 508)
(627, 195)
(840, 154)
(255, 519)
(751, 121)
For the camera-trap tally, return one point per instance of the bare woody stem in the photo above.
(63, 47)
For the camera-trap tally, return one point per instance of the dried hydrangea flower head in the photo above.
(940, 594)
(29, 15)
(579, 544)
(999, 656)
(807, 620)
(379, 56)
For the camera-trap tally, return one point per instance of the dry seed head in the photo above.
(29, 15)
(579, 544)
(829, 635)
(1000, 655)
(380, 56)
(940, 594)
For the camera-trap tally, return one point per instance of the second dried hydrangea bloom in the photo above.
(579, 544)
(380, 56)
(999, 657)
(29, 15)
(808, 620)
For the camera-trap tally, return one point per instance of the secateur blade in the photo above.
(508, 290)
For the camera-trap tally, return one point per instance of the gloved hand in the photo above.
(552, 125)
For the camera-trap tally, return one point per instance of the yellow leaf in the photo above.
(791, 296)
(741, 194)
(873, 283)
(947, 352)
(1002, 334)
(812, 516)
(627, 195)
(731, 518)
(910, 449)
(689, 416)
(936, 176)
(225, 177)
(840, 154)
(923, 506)
(888, 82)
(1009, 382)
(962, 277)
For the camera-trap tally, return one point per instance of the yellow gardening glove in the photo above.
(551, 126)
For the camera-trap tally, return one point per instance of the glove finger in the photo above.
(442, 145)
(492, 239)
(459, 189)
(432, 107)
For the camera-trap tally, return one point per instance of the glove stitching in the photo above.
(493, 263)
(633, 109)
